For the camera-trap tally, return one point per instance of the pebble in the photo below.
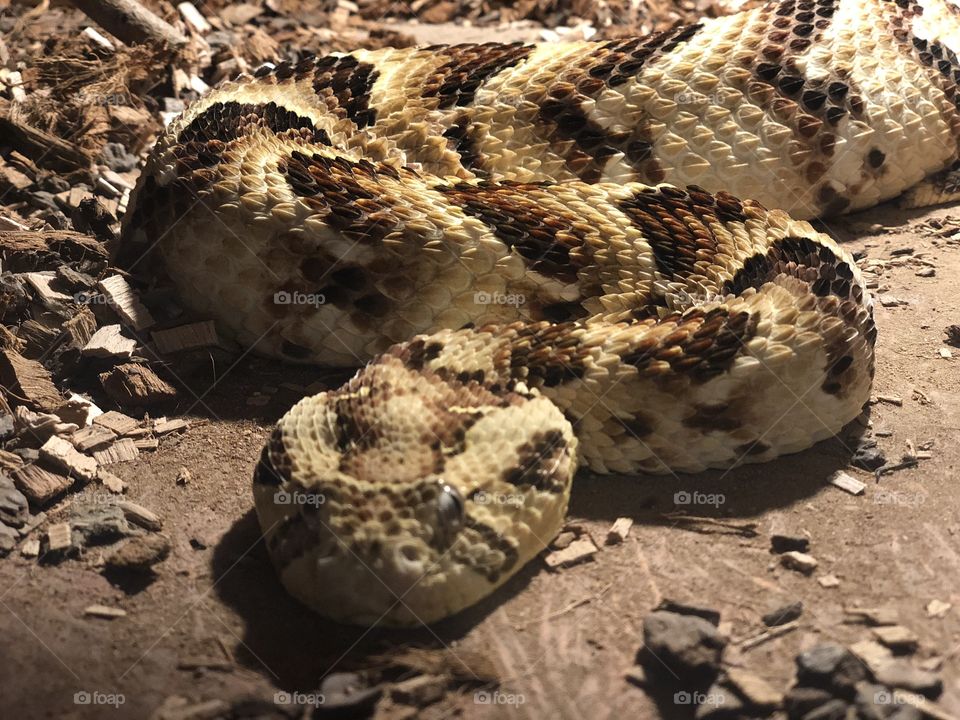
(829, 581)
(347, 692)
(689, 646)
(783, 614)
(8, 539)
(139, 553)
(801, 562)
(938, 608)
(99, 524)
(115, 156)
(832, 667)
(14, 510)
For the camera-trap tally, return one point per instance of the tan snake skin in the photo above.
(504, 201)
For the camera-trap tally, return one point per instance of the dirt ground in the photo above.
(215, 625)
(561, 643)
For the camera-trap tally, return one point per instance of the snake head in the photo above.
(404, 497)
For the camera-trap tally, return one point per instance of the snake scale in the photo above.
(539, 254)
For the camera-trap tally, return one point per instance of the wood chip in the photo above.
(829, 581)
(890, 399)
(147, 444)
(136, 385)
(59, 537)
(123, 450)
(41, 283)
(194, 18)
(64, 456)
(40, 485)
(109, 342)
(111, 482)
(102, 611)
(897, 637)
(125, 301)
(945, 353)
(186, 337)
(575, 552)
(94, 437)
(139, 515)
(938, 608)
(117, 422)
(847, 483)
(163, 426)
(801, 562)
(29, 381)
(619, 530)
(871, 616)
(30, 548)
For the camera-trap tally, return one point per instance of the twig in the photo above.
(564, 610)
(763, 637)
(130, 22)
(746, 529)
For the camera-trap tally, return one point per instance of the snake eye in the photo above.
(450, 508)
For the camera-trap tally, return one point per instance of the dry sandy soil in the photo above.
(562, 643)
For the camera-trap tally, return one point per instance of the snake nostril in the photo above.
(410, 553)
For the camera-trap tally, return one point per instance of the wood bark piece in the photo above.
(109, 342)
(117, 422)
(48, 150)
(93, 437)
(130, 22)
(132, 385)
(186, 337)
(25, 251)
(122, 450)
(64, 456)
(29, 382)
(125, 302)
(39, 485)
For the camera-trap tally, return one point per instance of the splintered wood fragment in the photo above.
(13, 179)
(64, 456)
(890, 399)
(48, 150)
(97, 38)
(871, 616)
(146, 444)
(575, 552)
(130, 22)
(847, 483)
(80, 328)
(40, 485)
(40, 282)
(111, 482)
(125, 301)
(619, 530)
(139, 515)
(122, 450)
(28, 381)
(109, 342)
(104, 612)
(768, 635)
(132, 385)
(744, 529)
(93, 437)
(59, 537)
(117, 422)
(162, 426)
(194, 18)
(186, 337)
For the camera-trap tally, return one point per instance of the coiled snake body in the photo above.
(490, 227)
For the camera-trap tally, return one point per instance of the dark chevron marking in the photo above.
(455, 83)
(349, 82)
(677, 224)
(536, 460)
(223, 122)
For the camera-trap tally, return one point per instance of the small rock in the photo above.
(829, 581)
(801, 562)
(787, 543)
(868, 456)
(688, 645)
(346, 691)
(938, 608)
(897, 637)
(99, 524)
(783, 614)
(8, 539)
(563, 540)
(183, 476)
(115, 156)
(926, 272)
(945, 353)
(14, 510)
(139, 553)
(831, 667)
